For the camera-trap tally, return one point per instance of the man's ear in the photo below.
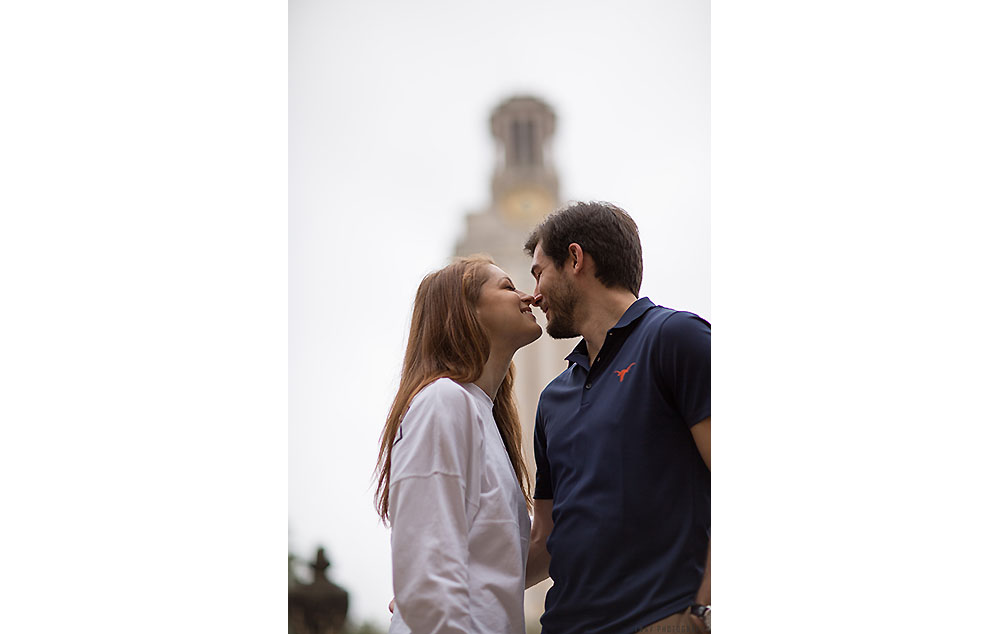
(575, 258)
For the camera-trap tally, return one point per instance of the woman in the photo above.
(452, 479)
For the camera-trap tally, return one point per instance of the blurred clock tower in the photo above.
(524, 180)
(525, 188)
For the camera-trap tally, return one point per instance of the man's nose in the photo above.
(535, 295)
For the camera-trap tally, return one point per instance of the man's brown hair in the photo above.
(604, 231)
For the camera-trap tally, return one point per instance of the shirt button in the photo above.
(587, 386)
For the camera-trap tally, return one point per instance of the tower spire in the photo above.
(525, 186)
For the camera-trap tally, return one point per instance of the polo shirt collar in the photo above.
(634, 312)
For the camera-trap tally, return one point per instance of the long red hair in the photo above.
(447, 340)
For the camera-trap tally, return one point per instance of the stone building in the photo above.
(524, 189)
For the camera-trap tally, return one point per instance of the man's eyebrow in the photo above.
(534, 270)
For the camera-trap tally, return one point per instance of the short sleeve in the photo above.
(543, 478)
(684, 357)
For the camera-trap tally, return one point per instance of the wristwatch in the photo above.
(704, 613)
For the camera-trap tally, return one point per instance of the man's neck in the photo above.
(603, 311)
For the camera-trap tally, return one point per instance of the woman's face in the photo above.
(505, 312)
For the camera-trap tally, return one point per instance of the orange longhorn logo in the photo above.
(621, 373)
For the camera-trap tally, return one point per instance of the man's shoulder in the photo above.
(669, 322)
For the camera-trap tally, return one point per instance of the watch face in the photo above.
(704, 613)
(527, 205)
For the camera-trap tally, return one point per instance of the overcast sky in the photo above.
(389, 148)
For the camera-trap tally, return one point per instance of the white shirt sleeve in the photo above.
(436, 456)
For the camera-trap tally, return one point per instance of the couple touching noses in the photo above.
(621, 503)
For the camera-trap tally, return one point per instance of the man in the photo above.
(622, 438)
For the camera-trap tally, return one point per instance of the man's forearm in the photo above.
(704, 596)
(537, 569)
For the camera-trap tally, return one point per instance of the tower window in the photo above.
(525, 143)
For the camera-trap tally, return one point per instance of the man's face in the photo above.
(555, 295)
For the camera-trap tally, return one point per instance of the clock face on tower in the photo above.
(526, 205)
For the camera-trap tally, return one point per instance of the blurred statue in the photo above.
(319, 607)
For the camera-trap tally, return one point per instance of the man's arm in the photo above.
(702, 433)
(538, 555)
(704, 596)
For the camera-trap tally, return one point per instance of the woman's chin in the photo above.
(535, 334)
(527, 336)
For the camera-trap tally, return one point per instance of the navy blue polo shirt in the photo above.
(630, 492)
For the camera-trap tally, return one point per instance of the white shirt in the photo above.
(460, 528)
